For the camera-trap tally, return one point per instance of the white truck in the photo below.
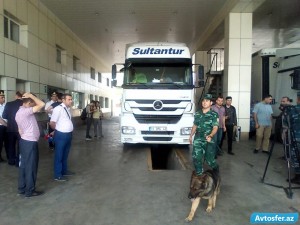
(158, 94)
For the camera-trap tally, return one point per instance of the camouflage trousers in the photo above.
(295, 163)
(203, 151)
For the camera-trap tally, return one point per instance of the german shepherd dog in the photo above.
(205, 186)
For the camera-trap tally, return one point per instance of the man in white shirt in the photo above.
(49, 110)
(3, 124)
(62, 125)
(49, 103)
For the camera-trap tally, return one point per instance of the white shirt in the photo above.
(1, 111)
(61, 115)
(47, 105)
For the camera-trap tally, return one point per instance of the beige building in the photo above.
(39, 54)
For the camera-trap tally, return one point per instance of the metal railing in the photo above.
(215, 62)
(215, 59)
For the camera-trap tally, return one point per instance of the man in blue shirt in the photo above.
(262, 115)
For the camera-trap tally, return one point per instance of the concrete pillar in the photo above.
(237, 66)
(33, 88)
(8, 84)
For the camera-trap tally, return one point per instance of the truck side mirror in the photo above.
(114, 71)
(201, 72)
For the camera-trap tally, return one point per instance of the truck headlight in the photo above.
(128, 130)
(185, 131)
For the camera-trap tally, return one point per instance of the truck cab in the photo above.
(158, 94)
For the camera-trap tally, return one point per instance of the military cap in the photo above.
(53, 93)
(228, 97)
(208, 96)
(1, 93)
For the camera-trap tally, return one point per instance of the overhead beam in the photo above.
(231, 6)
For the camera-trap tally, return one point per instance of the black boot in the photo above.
(216, 170)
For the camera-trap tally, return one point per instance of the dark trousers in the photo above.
(51, 144)
(29, 160)
(229, 134)
(89, 122)
(3, 139)
(13, 149)
(218, 138)
(97, 127)
(62, 148)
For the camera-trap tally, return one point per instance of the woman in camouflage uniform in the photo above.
(205, 127)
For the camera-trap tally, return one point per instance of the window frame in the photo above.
(93, 73)
(59, 51)
(99, 77)
(106, 102)
(8, 31)
(75, 63)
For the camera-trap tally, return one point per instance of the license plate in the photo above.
(157, 128)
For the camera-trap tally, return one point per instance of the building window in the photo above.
(106, 103)
(11, 29)
(91, 97)
(99, 77)
(14, 29)
(107, 82)
(101, 100)
(92, 73)
(58, 54)
(75, 63)
(76, 99)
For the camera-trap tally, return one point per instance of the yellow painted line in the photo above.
(149, 160)
(182, 160)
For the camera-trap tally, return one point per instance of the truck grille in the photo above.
(157, 138)
(158, 132)
(149, 109)
(159, 119)
(163, 101)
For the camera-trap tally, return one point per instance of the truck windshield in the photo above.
(157, 74)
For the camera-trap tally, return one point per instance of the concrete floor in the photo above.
(115, 186)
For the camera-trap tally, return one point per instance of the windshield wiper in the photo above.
(175, 84)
